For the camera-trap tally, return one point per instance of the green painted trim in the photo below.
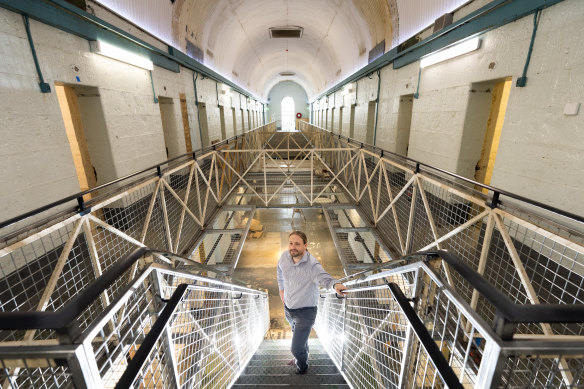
(197, 105)
(45, 88)
(68, 18)
(493, 15)
(377, 106)
(417, 94)
(153, 90)
(522, 81)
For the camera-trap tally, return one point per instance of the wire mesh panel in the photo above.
(424, 373)
(39, 372)
(216, 329)
(116, 340)
(371, 329)
(453, 328)
(377, 335)
(158, 370)
(330, 321)
(205, 351)
(542, 370)
(214, 334)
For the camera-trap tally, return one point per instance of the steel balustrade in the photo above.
(375, 343)
(197, 209)
(204, 335)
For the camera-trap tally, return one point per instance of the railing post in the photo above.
(168, 341)
(407, 356)
(344, 336)
(83, 366)
(494, 203)
(234, 334)
(503, 327)
(491, 366)
(81, 204)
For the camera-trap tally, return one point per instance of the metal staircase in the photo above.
(269, 368)
(129, 284)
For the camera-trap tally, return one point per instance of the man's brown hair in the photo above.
(301, 234)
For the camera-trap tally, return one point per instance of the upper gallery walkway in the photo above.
(452, 283)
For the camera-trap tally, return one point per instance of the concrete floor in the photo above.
(259, 257)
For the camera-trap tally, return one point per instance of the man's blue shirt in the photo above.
(300, 280)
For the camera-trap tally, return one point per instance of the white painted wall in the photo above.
(281, 90)
(541, 153)
(36, 163)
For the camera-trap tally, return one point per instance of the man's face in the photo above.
(296, 246)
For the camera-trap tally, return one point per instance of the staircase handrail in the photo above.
(506, 310)
(425, 338)
(59, 320)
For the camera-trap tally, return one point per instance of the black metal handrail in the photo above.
(138, 360)
(151, 338)
(508, 314)
(155, 169)
(426, 339)
(61, 319)
(496, 191)
(514, 313)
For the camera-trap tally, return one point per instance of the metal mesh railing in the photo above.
(46, 263)
(211, 335)
(533, 255)
(543, 369)
(44, 372)
(379, 207)
(376, 345)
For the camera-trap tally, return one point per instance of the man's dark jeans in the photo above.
(301, 321)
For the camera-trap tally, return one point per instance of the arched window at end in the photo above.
(288, 121)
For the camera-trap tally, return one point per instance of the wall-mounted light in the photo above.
(451, 52)
(111, 51)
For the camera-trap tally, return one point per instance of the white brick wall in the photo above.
(540, 153)
(37, 166)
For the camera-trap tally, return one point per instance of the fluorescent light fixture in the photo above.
(111, 51)
(451, 52)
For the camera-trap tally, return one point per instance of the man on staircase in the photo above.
(299, 275)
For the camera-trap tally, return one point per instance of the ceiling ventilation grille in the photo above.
(287, 74)
(286, 32)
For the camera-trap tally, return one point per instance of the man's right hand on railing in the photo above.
(340, 289)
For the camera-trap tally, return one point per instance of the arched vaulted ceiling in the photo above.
(233, 35)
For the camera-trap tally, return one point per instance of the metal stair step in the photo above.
(303, 386)
(269, 370)
(284, 362)
(291, 379)
(286, 342)
(313, 349)
(283, 355)
(276, 351)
